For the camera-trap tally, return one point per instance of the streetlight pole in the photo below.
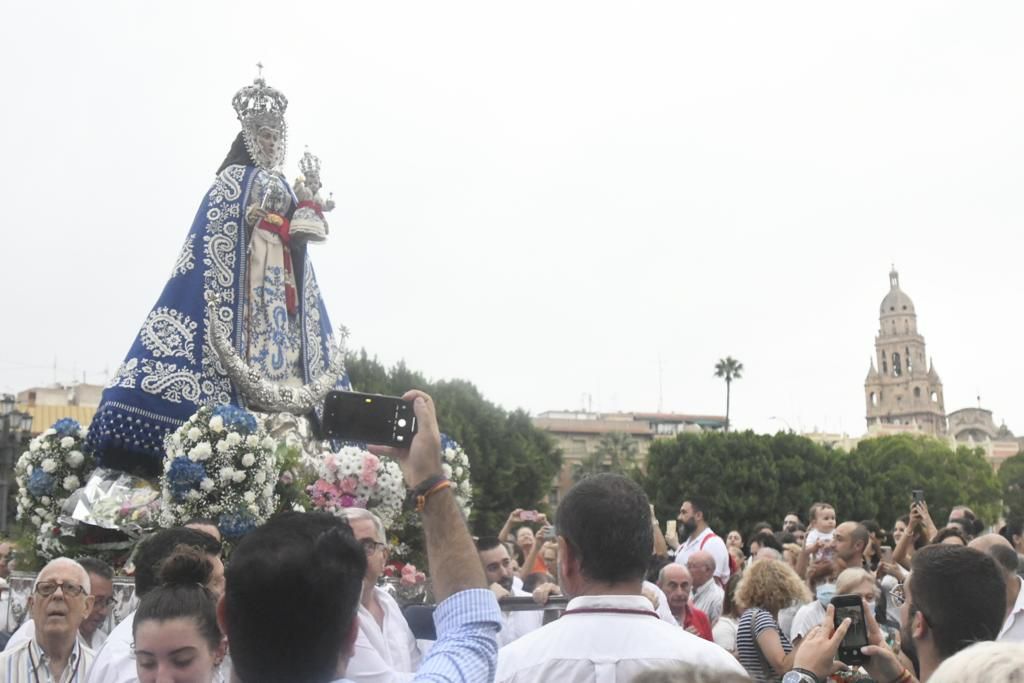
(15, 427)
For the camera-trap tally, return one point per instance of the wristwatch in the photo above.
(800, 676)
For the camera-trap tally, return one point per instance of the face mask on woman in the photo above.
(824, 593)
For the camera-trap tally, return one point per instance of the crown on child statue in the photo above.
(309, 165)
(260, 102)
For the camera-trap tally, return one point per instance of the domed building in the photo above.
(902, 386)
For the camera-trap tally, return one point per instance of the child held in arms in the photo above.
(822, 527)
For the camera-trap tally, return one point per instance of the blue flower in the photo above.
(40, 483)
(234, 525)
(184, 476)
(236, 419)
(67, 427)
(448, 442)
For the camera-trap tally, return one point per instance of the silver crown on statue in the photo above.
(260, 106)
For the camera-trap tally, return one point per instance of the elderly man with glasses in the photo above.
(101, 582)
(385, 649)
(60, 602)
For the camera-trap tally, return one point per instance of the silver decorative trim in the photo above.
(264, 394)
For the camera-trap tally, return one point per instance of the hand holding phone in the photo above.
(851, 606)
(371, 418)
(528, 515)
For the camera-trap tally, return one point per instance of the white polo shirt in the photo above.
(1013, 627)
(606, 639)
(715, 546)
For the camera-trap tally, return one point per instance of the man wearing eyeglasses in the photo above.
(101, 581)
(60, 602)
(385, 649)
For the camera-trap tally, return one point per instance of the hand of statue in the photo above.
(255, 214)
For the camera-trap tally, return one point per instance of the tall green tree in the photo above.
(512, 463)
(1011, 479)
(728, 369)
(615, 452)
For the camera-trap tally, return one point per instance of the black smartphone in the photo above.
(851, 607)
(371, 418)
(918, 496)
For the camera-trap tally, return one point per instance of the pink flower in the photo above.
(369, 478)
(371, 463)
(349, 484)
(348, 501)
(331, 463)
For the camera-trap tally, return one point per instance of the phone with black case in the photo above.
(370, 418)
(851, 607)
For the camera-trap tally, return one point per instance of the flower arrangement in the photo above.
(353, 477)
(455, 465)
(408, 583)
(220, 465)
(52, 468)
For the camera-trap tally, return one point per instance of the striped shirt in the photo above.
(753, 623)
(27, 663)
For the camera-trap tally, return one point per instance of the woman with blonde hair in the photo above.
(766, 588)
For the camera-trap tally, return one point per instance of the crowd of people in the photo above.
(605, 594)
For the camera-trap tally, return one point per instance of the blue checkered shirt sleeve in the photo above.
(466, 650)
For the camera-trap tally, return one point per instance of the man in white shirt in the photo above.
(115, 660)
(60, 601)
(497, 564)
(1006, 557)
(707, 594)
(101, 580)
(385, 649)
(697, 535)
(609, 632)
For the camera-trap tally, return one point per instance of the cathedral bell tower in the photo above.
(902, 386)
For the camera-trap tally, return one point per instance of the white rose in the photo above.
(216, 424)
(226, 473)
(195, 434)
(249, 497)
(207, 484)
(268, 443)
(200, 452)
(34, 445)
(67, 442)
(268, 491)
(251, 441)
(46, 445)
(45, 500)
(459, 471)
(233, 438)
(298, 508)
(193, 495)
(50, 432)
(223, 446)
(37, 520)
(254, 509)
(248, 459)
(49, 465)
(260, 477)
(447, 470)
(71, 482)
(238, 476)
(75, 458)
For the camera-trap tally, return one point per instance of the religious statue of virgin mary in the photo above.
(240, 320)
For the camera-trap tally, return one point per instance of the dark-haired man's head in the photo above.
(496, 561)
(764, 539)
(604, 534)
(955, 596)
(850, 539)
(101, 579)
(206, 525)
(293, 587)
(154, 549)
(693, 516)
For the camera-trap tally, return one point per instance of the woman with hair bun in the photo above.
(176, 633)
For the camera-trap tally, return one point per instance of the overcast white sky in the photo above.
(546, 198)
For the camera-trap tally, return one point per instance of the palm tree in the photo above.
(615, 452)
(728, 369)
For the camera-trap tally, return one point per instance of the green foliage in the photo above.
(615, 452)
(512, 462)
(746, 478)
(1011, 478)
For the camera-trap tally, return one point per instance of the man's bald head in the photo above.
(702, 567)
(675, 581)
(983, 543)
(1000, 550)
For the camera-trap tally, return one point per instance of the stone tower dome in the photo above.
(902, 386)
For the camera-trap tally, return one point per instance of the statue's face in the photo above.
(270, 143)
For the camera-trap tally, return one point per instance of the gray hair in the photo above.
(65, 562)
(850, 578)
(351, 514)
(984, 661)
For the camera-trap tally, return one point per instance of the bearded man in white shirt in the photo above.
(609, 631)
(385, 649)
(497, 565)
